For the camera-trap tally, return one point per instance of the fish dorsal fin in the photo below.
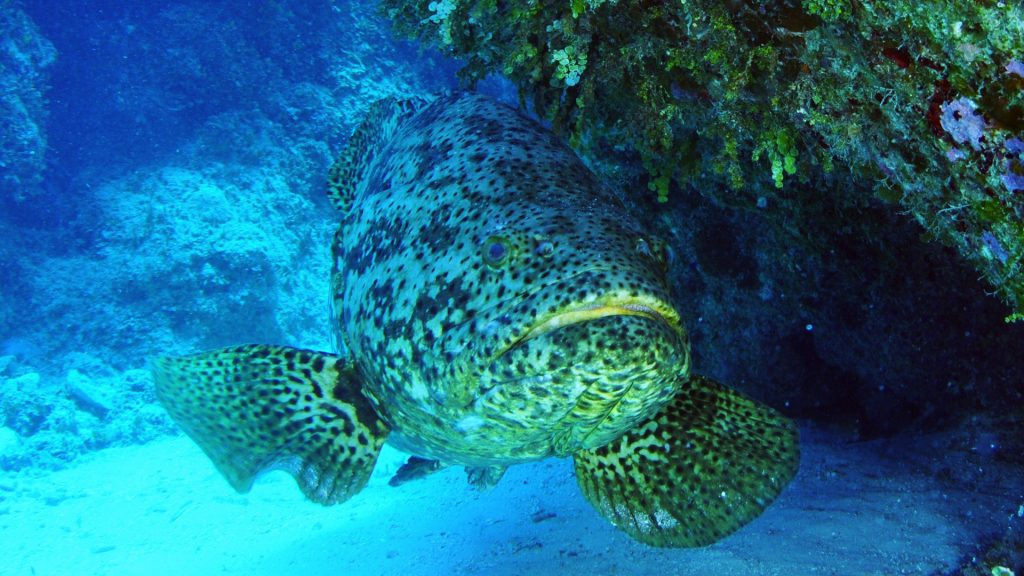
(378, 126)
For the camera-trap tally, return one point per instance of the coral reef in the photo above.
(183, 207)
(192, 142)
(47, 422)
(147, 76)
(760, 102)
(873, 339)
(189, 257)
(25, 59)
(182, 257)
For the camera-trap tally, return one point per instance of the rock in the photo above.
(28, 381)
(137, 380)
(542, 515)
(9, 441)
(88, 394)
(24, 408)
(25, 57)
(149, 422)
(87, 364)
(5, 361)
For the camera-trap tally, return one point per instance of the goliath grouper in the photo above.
(493, 303)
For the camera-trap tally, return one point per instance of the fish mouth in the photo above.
(651, 309)
(584, 396)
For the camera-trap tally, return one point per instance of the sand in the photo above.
(908, 506)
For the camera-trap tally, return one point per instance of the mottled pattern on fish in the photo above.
(472, 232)
(493, 303)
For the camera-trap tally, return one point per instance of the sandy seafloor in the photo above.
(161, 508)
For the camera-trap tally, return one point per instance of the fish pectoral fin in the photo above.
(707, 464)
(255, 408)
(414, 469)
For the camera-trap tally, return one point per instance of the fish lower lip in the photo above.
(593, 312)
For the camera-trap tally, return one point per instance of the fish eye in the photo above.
(546, 249)
(656, 249)
(643, 247)
(496, 251)
(667, 255)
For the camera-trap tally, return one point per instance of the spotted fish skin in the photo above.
(493, 303)
(500, 303)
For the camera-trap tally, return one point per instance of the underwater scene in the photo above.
(474, 287)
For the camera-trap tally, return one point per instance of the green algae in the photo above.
(754, 100)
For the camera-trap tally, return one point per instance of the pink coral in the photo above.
(1016, 67)
(960, 118)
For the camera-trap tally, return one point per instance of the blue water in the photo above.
(162, 169)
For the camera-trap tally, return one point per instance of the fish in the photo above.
(493, 302)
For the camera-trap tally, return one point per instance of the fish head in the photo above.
(578, 336)
(502, 303)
